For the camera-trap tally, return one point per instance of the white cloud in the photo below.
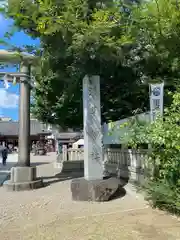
(3, 3)
(8, 100)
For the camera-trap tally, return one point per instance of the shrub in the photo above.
(163, 196)
(164, 136)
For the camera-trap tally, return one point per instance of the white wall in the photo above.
(112, 133)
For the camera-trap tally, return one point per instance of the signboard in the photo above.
(156, 100)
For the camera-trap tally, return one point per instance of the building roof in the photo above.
(68, 135)
(8, 128)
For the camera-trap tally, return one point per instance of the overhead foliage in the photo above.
(80, 37)
(125, 42)
(157, 51)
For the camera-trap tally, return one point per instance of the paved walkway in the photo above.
(50, 214)
(5, 170)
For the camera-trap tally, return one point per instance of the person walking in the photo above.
(33, 148)
(4, 153)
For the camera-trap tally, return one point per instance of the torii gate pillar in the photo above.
(23, 176)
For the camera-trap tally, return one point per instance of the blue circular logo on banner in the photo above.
(156, 91)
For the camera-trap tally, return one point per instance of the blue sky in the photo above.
(9, 98)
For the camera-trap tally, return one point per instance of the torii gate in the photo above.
(23, 176)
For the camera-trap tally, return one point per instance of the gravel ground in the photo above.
(50, 214)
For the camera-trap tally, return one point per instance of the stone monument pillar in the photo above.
(93, 187)
(93, 162)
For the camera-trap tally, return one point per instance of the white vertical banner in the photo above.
(93, 163)
(156, 100)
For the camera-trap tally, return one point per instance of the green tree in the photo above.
(78, 38)
(157, 48)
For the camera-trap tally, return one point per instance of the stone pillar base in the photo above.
(94, 190)
(23, 178)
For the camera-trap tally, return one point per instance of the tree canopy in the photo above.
(121, 41)
(156, 33)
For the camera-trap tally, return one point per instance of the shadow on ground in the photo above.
(120, 193)
(5, 172)
(38, 164)
(3, 177)
(9, 165)
(60, 177)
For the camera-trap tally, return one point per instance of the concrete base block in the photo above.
(70, 166)
(134, 174)
(124, 172)
(94, 190)
(23, 174)
(137, 175)
(23, 178)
